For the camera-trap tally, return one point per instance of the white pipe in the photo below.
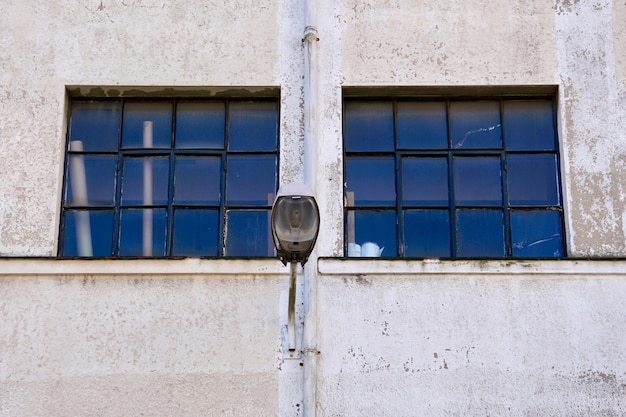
(79, 197)
(147, 191)
(310, 90)
(309, 333)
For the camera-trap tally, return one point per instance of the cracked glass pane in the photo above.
(475, 124)
(536, 234)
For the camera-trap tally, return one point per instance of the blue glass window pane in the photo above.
(529, 125)
(378, 227)
(371, 181)
(536, 233)
(96, 125)
(138, 116)
(422, 125)
(195, 232)
(480, 233)
(253, 126)
(532, 180)
(91, 180)
(136, 191)
(197, 180)
(425, 181)
(475, 124)
(132, 233)
(200, 125)
(248, 233)
(369, 126)
(251, 179)
(98, 239)
(426, 233)
(477, 181)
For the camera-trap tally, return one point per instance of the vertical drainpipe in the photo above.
(309, 336)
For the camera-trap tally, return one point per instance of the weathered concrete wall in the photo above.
(590, 44)
(460, 42)
(455, 339)
(182, 342)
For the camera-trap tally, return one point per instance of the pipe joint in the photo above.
(310, 34)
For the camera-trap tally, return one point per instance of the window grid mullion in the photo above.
(398, 185)
(508, 243)
(451, 200)
(118, 186)
(221, 247)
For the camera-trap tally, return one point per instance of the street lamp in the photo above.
(295, 225)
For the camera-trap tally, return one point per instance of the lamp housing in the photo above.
(295, 223)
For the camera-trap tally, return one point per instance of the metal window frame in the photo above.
(171, 154)
(448, 95)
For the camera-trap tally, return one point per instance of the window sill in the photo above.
(506, 267)
(126, 267)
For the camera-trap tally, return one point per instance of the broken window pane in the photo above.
(536, 234)
(475, 124)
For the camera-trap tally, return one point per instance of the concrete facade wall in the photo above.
(207, 337)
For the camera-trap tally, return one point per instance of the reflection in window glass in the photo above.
(371, 181)
(91, 180)
(147, 125)
(248, 233)
(195, 232)
(96, 125)
(253, 126)
(475, 124)
(88, 233)
(536, 234)
(369, 126)
(145, 181)
(142, 232)
(372, 226)
(480, 233)
(427, 233)
(200, 125)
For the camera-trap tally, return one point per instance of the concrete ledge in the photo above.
(156, 267)
(566, 268)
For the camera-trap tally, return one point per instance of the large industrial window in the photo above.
(169, 177)
(452, 178)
